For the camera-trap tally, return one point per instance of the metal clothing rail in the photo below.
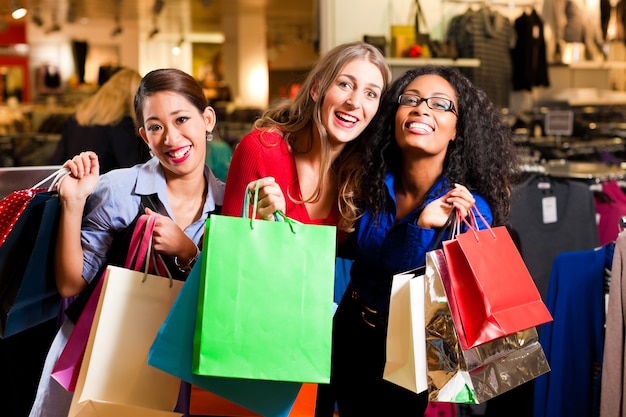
(510, 4)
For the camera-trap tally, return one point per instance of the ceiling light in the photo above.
(158, 6)
(153, 33)
(17, 11)
(118, 26)
(176, 50)
(54, 28)
(37, 20)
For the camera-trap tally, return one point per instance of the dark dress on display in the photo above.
(117, 146)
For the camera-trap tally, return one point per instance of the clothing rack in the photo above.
(594, 171)
(510, 4)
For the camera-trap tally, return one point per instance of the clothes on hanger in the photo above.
(487, 35)
(529, 56)
(552, 215)
(49, 79)
(610, 203)
(574, 341)
(613, 388)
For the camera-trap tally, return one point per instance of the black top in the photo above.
(117, 146)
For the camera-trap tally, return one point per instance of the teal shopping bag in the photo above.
(172, 352)
(265, 301)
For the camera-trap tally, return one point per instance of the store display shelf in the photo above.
(414, 62)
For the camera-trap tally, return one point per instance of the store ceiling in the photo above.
(197, 16)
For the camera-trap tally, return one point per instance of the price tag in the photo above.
(559, 123)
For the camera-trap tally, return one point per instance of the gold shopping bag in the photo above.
(477, 374)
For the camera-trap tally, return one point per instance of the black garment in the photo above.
(49, 80)
(105, 72)
(80, 50)
(117, 146)
(362, 361)
(605, 16)
(22, 357)
(530, 63)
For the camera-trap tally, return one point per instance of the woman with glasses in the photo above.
(438, 144)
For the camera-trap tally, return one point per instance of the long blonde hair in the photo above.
(305, 113)
(111, 102)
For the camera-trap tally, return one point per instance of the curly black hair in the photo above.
(483, 156)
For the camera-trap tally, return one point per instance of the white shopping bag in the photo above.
(406, 337)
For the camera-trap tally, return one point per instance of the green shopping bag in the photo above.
(265, 302)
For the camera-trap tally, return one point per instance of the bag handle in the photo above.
(140, 249)
(56, 178)
(472, 225)
(450, 222)
(135, 241)
(279, 216)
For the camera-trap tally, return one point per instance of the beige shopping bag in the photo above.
(115, 379)
(406, 345)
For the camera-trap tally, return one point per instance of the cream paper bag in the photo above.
(406, 346)
(115, 379)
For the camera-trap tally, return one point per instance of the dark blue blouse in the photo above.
(385, 246)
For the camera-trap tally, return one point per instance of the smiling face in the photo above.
(351, 101)
(422, 128)
(175, 131)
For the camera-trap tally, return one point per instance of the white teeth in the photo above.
(420, 126)
(179, 153)
(347, 117)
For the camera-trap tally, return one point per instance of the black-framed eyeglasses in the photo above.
(433, 103)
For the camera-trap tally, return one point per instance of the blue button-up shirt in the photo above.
(386, 245)
(115, 202)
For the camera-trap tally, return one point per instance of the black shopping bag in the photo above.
(28, 293)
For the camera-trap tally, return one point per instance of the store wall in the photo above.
(56, 49)
(348, 20)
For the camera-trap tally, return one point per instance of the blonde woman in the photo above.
(105, 124)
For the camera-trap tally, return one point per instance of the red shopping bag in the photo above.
(13, 205)
(490, 292)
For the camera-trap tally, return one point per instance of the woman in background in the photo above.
(105, 124)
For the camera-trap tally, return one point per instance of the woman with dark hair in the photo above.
(98, 213)
(438, 144)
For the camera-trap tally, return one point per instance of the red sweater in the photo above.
(267, 155)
